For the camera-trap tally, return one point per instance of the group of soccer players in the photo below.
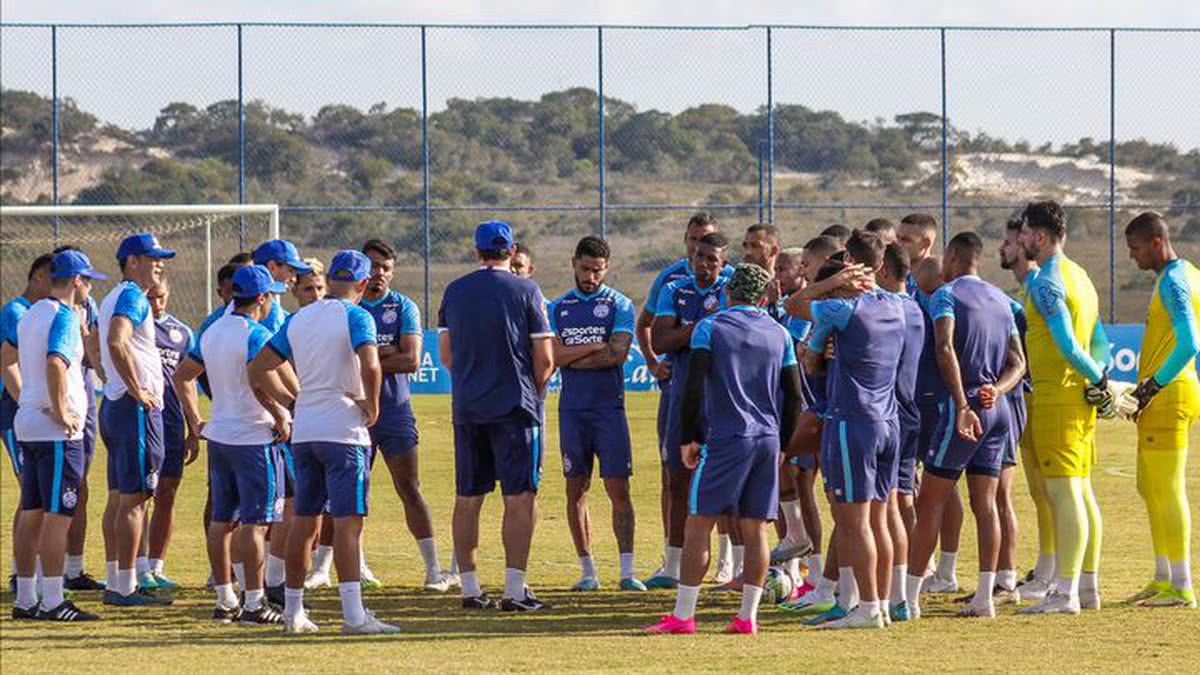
(860, 357)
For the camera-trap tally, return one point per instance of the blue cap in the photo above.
(253, 280)
(280, 251)
(493, 235)
(72, 263)
(143, 243)
(349, 265)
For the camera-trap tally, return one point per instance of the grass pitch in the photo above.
(600, 631)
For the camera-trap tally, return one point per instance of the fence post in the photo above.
(241, 143)
(425, 213)
(54, 119)
(945, 167)
(770, 133)
(600, 94)
(1112, 176)
(761, 153)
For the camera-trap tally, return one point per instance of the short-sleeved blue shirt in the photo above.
(983, 326)
(579, 319)
(870, 337)
(395, 315)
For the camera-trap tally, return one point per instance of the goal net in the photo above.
(204, 237)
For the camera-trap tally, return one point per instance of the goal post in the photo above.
(203, 235)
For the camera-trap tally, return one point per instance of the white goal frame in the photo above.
(271, 210)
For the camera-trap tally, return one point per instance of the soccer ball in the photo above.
(779, 585)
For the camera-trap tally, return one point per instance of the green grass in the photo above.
(600, 631)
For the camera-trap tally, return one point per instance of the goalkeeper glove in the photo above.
(1100, 395)
(1145, 393)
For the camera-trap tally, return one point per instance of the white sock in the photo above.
(514, 583)
(52, 592)
(1089, 581)
(1068, 586)
(750, 598)
(685, 601)
(793, 569)
(739, 558)
(470, 584)
(453, 564)
(1181, 575)
(885, 606)
(815, 567)
(626, 566)
(1044, 570)
(947, 562)
(362, 559)
(323, 560)
(724, 548)
(826, 586)
(912, 589)
(899, 576)
(37, 571)
(587, 566)
(671, 564)
(1162, 568)
(226, 598)
(868, 608)
(848, 597)
(74, 566)
(239, 573)
(794, 521)
(983, 592)
(142, 564)
(293, 601)
(126, 581)
(428, 549)
(157, 565)
(1006, 579)
(14, 566)
(352, 607)
(276, 571)
(254, 599)
(110, 571)
(26, 592)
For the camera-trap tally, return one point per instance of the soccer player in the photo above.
(882, 228)
(398, 334)
(244, 463)
(1166, 404)
(332, 343)
(917, 233)
(496, 342)
(891, 278)
(593, 327)
(37, 287)
(281, 258)
(131, 416)
(761, 246)
(522, 261)
(979, 356)
(681, 305)
(742, 370)
(310, 287)
(837, 232)
(49, 424)
(1068, 355)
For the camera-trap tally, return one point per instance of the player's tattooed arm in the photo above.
(571, 355)
(11, 374)
(610, 355)
(667, 337)
(405, 359)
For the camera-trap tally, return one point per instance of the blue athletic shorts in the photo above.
(585, 435)
(51, 476)
(509, 452)
(8, 412)
(174, 433)
(929, 409)
(664, 396)
(906, 478)
(134, 439)
(857, 459)
(951, 454)
(246, 483)
(738, 477)
(91, 425)
(289, 471)
(1017, 414)
(333, 474)
(673, 433)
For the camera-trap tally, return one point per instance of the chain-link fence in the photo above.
(414, 133)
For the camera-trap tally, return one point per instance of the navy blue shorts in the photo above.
(673, 433)
(857, 459)
(399, 437)
(51, 476)
(333, 475)
(134, 439)
(8, 412)
(664, 396)
(951, 454)
(246, 483)
(173, 453)
(738, 477)
(289, 471)
(585, 435)
(910, 447)
(90, 427)
(1017, 415)
(806, 461)
(929, 409)
(509, 452)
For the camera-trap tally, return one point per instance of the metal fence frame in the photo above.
(766, 203)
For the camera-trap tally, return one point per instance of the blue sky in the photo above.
(1035, 86)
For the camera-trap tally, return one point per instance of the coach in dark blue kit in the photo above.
(495, 341)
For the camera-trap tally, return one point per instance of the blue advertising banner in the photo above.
(432, 378)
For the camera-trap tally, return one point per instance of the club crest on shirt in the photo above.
(600, 311)
(389, 316)
(711, 303)
(176, 335)
(69, 498)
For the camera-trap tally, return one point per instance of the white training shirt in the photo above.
(225, 349)
(321, 340)
(49, 328)
(129, 300)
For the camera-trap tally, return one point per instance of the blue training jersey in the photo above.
(983, 326)
(579, 319)
(910, 363)
(10, 316)
(870, 337)
(680, 269)
(174, 340)
(395, 315)
(687, 303)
